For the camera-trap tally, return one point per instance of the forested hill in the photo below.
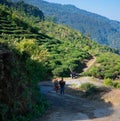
(100, 29)
(21, 6)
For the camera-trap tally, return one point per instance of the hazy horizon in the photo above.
(106, 8)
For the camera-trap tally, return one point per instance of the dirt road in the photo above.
(70, 108)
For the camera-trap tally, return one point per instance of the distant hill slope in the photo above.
(21, 6)
(99, 28)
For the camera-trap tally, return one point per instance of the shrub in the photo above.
(88, 88)
(106, 67)
(20, 75)
(118, 86)
(61, 71)
(112, 83)
(108, 82)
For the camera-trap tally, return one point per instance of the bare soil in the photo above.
(70, 107)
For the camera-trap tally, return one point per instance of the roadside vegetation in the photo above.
(106, 66)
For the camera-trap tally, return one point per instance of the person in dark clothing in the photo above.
(62, 86)
(72, 74)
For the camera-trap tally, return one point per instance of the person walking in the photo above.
(56, 85)
(72, 74)
(62, 86)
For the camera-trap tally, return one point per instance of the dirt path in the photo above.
(89, 63)
(70, 108)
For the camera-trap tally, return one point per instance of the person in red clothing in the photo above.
(62, 86)
(56, 85)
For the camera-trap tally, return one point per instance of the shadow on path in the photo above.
(71, 108)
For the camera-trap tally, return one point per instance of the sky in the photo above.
(107, 8)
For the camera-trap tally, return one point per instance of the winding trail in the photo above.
(90, 63)
(70, 108)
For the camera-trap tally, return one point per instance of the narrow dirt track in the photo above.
(70, 108)
(89, 63)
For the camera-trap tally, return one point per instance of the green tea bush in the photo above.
(108, 82)
(88, 88)
(106, 66)
(112, 83)
(20, 100)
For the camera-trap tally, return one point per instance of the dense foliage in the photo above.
(100, 29)
(13, 24)
(21, 6)
(65, 33)
(112, 83)
(22, 67)
(107, 66)
(20, 74)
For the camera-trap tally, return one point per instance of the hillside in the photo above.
(33, 50)
(19, 97)
(13, 26)
(21, 6)
(63, 42)
(100, 29)
(105, 66)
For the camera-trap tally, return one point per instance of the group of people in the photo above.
(59, 84)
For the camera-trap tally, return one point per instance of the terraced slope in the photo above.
(14, 27)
